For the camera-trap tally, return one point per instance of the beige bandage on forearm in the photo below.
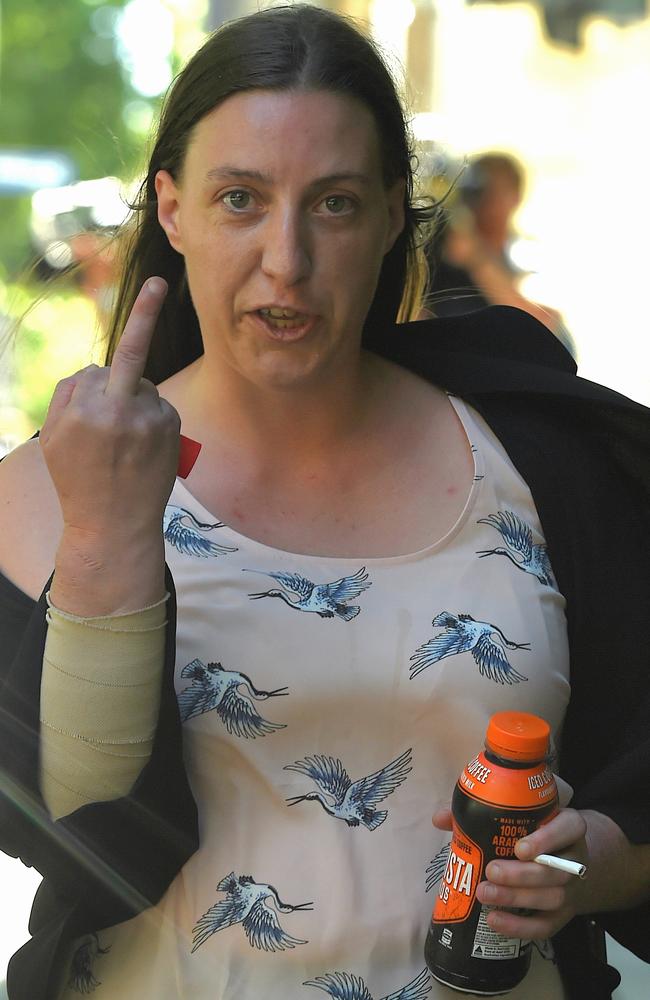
(100, 697)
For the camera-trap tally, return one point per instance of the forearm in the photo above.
(108, 574)
(100, 697)
(619, 871)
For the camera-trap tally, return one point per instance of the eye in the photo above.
(338, 204)
(237, 200)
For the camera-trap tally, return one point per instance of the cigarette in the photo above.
(562, 864)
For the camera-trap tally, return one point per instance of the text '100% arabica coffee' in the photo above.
(503, 794)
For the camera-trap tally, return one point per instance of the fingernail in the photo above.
(523, 850)
(495, 870)
(156, 286)
(489, 893)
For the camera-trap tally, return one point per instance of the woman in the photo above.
(344, 518)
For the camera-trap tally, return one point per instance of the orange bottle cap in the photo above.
(518, 735)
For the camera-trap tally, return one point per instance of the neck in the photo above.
(302, 423)
(495, 237)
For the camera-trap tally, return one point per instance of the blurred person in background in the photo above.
(469, 257)
(94, 253)
(225, 711)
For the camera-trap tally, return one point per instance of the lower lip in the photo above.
(285, 335)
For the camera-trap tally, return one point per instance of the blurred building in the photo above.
(564, 18)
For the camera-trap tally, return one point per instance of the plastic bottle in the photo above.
(502, 795)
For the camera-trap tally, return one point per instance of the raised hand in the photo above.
(111, 447)
(109, 441)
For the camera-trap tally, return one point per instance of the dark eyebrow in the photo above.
(237, 173)
(226, 173)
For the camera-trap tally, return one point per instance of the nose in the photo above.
(286, 251)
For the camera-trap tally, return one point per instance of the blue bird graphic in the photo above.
(214, 688)
(464, 634)
(187, 538)
(328, 600)
(81, 978)
(353, 802)
(437, 867)
(518, 537)
(245, 904)
(343, 986)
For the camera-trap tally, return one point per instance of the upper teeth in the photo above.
(278, 313)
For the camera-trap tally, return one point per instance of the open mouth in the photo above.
(284, 324)
(281, 320)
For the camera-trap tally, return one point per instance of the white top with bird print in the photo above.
(328, 706)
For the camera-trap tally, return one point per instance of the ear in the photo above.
(396, 220)
(168, 208)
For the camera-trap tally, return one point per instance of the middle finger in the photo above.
(130, 356)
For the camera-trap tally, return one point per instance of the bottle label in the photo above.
(528, 788)
(459, 883)
(500, 806)
(489, 944)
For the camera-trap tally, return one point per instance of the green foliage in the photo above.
(57, 336)
(63, 85)
(15, 248)
(64, 89)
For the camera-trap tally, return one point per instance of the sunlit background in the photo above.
(563, 85)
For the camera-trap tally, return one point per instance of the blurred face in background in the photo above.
(497, 202)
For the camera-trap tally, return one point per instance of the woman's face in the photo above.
(283, 219)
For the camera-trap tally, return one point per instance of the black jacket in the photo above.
(585, 453)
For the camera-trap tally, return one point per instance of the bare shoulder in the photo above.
(405, 391)
(30, 519)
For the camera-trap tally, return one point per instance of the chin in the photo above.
(284, 378)
(299, 366)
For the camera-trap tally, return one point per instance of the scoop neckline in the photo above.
(462, 412)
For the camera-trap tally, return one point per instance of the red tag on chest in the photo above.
(187, 457)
